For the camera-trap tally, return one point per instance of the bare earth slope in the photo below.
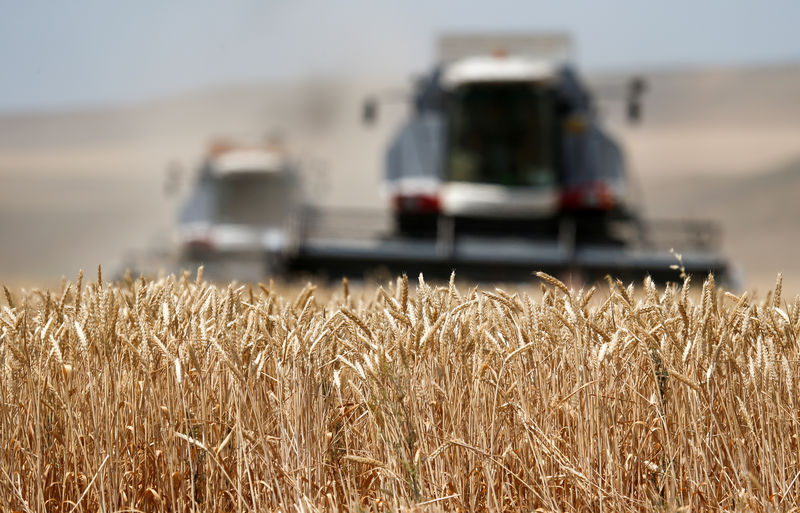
(758, 213)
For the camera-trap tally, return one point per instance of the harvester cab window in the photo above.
(253, 199)
(501, 133)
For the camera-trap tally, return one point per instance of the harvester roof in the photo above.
(470, 58)
(496, 69)
(553, 47)
(227, 158)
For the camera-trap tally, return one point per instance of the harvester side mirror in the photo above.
(636, 89)
(369, 114)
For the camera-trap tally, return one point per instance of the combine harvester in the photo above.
(501, 170)
(242, 217)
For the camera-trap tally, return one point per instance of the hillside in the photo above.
(78, 188)
(757, 212)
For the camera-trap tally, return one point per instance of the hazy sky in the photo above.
(76, 53)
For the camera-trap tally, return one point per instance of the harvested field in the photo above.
(180, 395)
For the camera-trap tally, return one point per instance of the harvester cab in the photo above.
(243, 209)
(503, 137)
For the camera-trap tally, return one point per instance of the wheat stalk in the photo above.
(182, 395)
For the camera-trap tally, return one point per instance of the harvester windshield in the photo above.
(254, 199)
(501, 133)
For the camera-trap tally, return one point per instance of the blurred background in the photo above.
(104, 105)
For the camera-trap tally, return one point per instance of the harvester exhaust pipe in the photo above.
(369, 111)
(636, 89)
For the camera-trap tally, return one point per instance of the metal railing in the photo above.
(664, 234)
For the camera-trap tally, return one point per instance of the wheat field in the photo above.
(176, 394)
